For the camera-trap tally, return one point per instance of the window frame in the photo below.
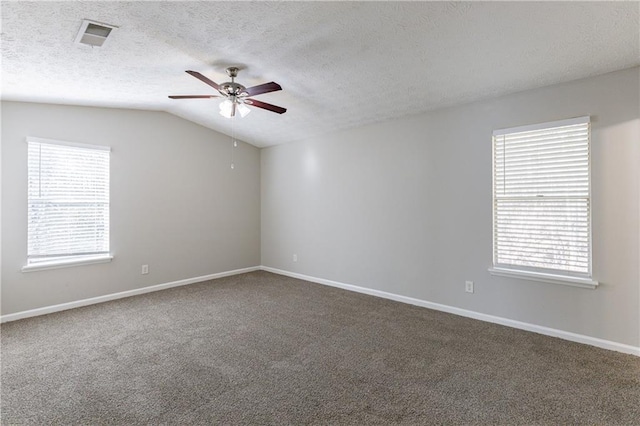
(64, 262)
(570, 278)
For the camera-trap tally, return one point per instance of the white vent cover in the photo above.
(93, 33)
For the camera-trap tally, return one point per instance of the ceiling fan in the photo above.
(235, 94)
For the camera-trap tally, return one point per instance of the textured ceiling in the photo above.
(341, 64)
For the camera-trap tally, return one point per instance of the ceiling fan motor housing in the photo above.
(231, 89)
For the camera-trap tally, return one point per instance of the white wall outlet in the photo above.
(295, 257)
(145, 269)
(468, 286)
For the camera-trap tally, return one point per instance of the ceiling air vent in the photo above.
(93, 33)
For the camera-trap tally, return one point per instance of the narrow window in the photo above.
(541, 199)
(68, 203)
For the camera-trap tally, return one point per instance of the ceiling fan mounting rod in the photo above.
(232, 72)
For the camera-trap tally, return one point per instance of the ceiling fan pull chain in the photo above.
(234, 143)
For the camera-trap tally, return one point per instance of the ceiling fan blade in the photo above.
(266, 106)
(193, 96)
(204, 79)
(263, 88)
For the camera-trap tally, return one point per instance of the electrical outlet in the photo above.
(145, 269)
(295, 257)
(468, 286)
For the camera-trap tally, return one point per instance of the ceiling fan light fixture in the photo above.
(226, 108)
(243, 110)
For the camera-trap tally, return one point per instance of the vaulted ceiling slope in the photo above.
(341, 64)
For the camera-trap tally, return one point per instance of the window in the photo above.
(68, 203)
(541, 202)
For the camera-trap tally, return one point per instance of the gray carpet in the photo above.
(260, 348)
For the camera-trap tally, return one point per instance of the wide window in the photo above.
(542, 200)
(68, 203)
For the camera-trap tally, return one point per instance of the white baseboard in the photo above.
(93, 300)
(574, 337)
(566, 335)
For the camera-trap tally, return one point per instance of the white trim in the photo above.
(545, 278)
(114, 296)
(539, 126)
(43, 266)
(574, 337)
(67, 143)
(566, 335)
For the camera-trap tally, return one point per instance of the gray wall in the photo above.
(405, 207)
(176, 205)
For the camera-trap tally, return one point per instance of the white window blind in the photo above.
(541, 203)
(68, 201)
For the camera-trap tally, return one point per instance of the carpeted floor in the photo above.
(260, 348)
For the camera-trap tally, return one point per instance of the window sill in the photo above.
(546, 278)
(42, 266)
